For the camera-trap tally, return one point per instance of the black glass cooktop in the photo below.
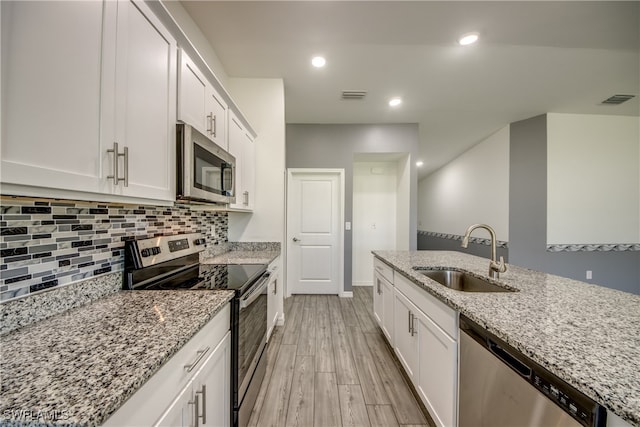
(233, 276)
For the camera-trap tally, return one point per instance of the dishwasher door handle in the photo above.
(509, 359)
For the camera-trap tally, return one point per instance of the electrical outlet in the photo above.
(589, 275)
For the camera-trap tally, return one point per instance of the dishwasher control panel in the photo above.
(577, 411)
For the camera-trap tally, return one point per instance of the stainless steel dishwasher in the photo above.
(500, 387)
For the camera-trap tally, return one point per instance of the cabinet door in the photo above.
(51, 89)
(387, 310)
(236, 140)
(274, 296)
(248, 172)
(437, 372)
(377, 299)
(180, 412)
(192, 95)
(405, 340)
(145, 101)
(216, 112)
(212, 388)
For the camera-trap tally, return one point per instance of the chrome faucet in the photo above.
(495, 267)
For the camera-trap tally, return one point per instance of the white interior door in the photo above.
(315, 200)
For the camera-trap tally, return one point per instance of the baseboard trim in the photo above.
(364, 284)
(346, 294)
(280, 321)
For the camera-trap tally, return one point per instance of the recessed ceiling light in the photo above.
(394, 102)
(318, 61)
(419, 163)
(467, 39)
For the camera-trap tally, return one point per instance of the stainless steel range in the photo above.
(172, 262)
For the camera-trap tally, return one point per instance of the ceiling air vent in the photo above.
(617, 99)
(354, 94)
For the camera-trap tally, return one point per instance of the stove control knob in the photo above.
(200, 241)
(145, 252)
(155, 250)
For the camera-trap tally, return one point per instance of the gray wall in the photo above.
(528, 218)
(333, 146)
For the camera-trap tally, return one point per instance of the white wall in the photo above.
(374, 215)
(593, 185)
(262, 101)
(473, 188)
(403, 204)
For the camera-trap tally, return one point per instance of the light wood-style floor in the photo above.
(330, 366)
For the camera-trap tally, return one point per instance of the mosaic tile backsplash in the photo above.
(47, 243)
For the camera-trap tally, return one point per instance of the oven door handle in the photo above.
(255, 293)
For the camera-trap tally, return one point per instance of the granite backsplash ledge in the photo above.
(48, 243)
(38, 306)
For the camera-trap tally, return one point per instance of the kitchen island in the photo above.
(78, 367)
(585, 334)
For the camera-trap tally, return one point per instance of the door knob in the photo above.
(295, 239)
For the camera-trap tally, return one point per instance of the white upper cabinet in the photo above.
(51, 88)
(199, 104)
(78, 77)
(242, 147)
(145, 94)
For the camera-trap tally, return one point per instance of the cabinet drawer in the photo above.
(383, 269)
(445, 317)
(151, 400)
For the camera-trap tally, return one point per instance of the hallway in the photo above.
(330, 366)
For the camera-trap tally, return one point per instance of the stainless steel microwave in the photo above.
(205, 171)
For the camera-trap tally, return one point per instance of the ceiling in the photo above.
(532, 58)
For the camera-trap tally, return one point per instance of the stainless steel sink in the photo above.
(462, 281)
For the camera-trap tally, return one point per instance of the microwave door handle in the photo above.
(249, 299)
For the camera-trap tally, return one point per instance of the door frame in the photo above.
(289, 236)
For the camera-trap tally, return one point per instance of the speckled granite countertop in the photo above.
(586, 334)
(82, 365)
(242, 257)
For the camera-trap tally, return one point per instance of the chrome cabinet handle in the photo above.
(196, 410)
(214, 125)
(114, 175)
(409, 313)
(126, 166)
(378, 282)
(413, 324)
(200, 355)
(295, 239)
(275, 287)
(246, 198)
(116, 155)
(203, 395)
(210, 123)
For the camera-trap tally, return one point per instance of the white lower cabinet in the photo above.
(383, 305)
(274, 297)
(437, 371)
(192, 388)
(206, 399)
(406, 339)
(423, 333)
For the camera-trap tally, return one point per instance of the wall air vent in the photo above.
(617, 99)
(354, 94)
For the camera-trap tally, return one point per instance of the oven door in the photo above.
(252, 335)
